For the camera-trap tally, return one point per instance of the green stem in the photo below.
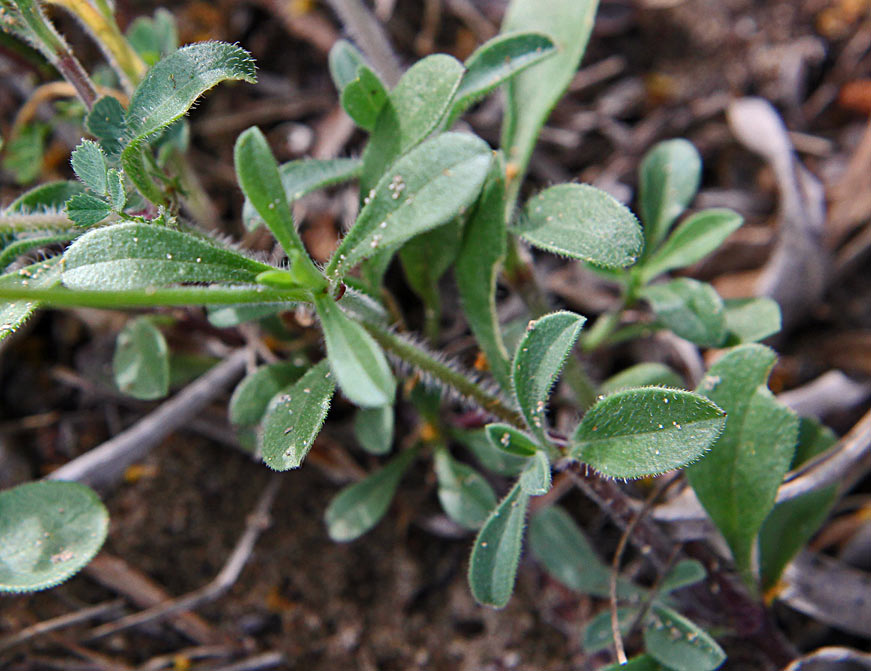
(422, 360)
(42, 221)
(139, 298)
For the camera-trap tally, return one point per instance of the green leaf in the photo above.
(223, 317)
(136, 256)
(49, 530)
(424, 189)
(83, 209)
(508, 439)
(171, 87)
(648, 374)
(40, 275)
(791, 524)
(683, 574)
(344, 62)
(560, 546)
(496, 553)
(535, 479)
(538, 361)
(496, 61)
(301, 177)
(89, 164)
(15, 249)
(252, 395)
(639, 663)
(373, 428)
(363, 97)
(295, 417)
(153, 38)
(737, 482)
(691, 309)
(107, 121)
(751, 319)
(477, 269)
(115, 189)
(532, 94)
(141, 361)
(257, 171)
(359, 507)
(491, 458)
(639, 432)
(465, 495)
(582, 222)
(48, 197)
(355, 358)
(668, 180)
(23, 155)
(599, 636)
(693, 240)
(680, 644)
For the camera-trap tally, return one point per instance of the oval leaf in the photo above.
(496, 553)
(668, 180)
(649, 374)
(89, 164)
(141, 361)
(465, 495)
(535, 479)
(252, 395)
(363, 98)
(510, 440)
(691, 309)
(355, 358)
(538, 361)
(583, 222)
(136, 256)
(359, 507)
(751, 319)
(294, 418)
(344, 60)
(373, 428)
(49, 530)
(680, 644)
(599, 635)
(492, 459)
(424, 189)
(640, 432)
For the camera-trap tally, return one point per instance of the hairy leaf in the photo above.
(294, 418)
(83, 209)
(49, 530)
(496, 553)
(89, 164)
(356, 359)
(737, 482)
(465, 495)
(424, 189)
(141, 361)
(107, 121)
(638, 432)
(582, 222)
(252, 395)
(359, 507)
(692, 240)
(136, 256)
(680, 644)
(535, 479)
(508, 439)
(538, 361)
(40, 275)
(47, 197)
(668, 180)
(115, 192)
(491, 458)
(691, 309)
(363, 97)
(373, 428)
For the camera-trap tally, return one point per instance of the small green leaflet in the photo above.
(89, 164)
(141, 361)
(492, 459)
(683, 574)
(83, 209)
(107, 121)
(639, 432)
(538, 361)
(136, 256)
(598, 634)
(252, 395)
(496, 553)
(508, 439)
(751, 319)
(680, 644)
(115, 192)
(582, 222)
(648, 374)
(359, 507)
(535, 479)
(294, 418)
(40, 275)
(49, 530)
(668, 180)
(691, 309)
(344, 61)
(691, 241)
(373, 428)
(424, 189)
(356, 359)
(465, 495)
(363, 98)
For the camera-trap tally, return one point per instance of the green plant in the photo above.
(436, 199)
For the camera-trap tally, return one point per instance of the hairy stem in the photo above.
(41, 221)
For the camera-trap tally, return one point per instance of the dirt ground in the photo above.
(397, 599)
